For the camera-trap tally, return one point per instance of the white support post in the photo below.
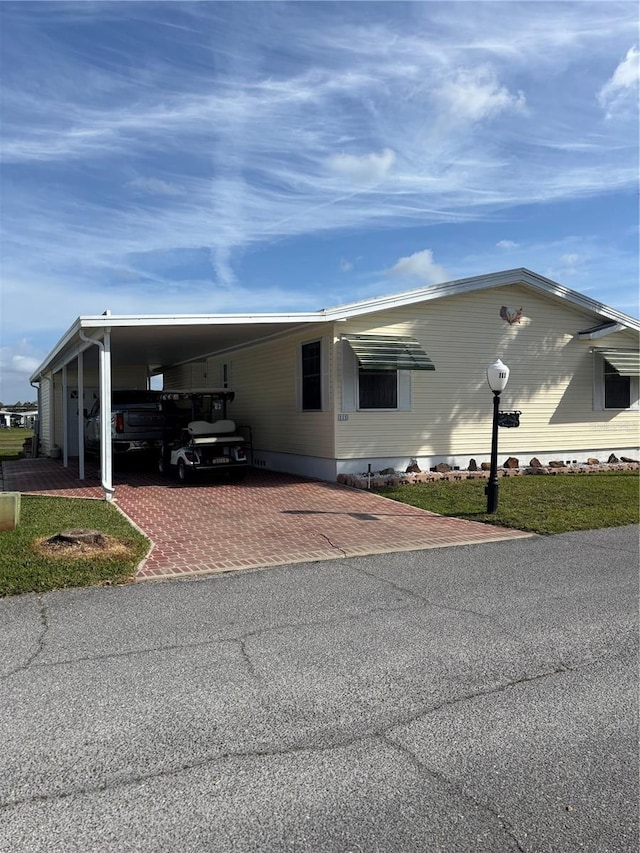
(65, 419)
(81, 415)
(106, 456)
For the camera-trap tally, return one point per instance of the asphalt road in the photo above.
(478, 698)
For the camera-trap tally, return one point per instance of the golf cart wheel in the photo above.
(162, 465)
(183, 471)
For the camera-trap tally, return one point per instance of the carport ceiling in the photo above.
(157, 342)
(171, 344)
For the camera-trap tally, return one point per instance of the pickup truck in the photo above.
(136, 423)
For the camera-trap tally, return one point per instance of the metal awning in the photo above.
(626, 362)
(383, 352)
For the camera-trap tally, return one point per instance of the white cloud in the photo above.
(155, 186)
(366, 168)
(420, 266)
(475, 94)
(571, 259)
(346, 265)
(506, 244)
(622, 88)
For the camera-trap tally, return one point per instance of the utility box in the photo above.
(9, 510)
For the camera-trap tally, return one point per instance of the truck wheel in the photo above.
(183, 471)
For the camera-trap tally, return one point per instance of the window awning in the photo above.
(626, 362)
(382, 352)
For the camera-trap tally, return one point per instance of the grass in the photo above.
(11, 441)
(541, 504)
(25, 567)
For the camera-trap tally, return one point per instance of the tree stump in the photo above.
(79, 536)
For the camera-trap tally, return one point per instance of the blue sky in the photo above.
(236, 157)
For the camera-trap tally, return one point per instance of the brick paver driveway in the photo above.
(268, 519)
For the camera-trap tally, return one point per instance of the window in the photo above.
(616, 379)
(377, 389)
(311, 377)
(617, 388)
(377, 371)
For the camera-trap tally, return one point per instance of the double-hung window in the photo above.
(311, 376)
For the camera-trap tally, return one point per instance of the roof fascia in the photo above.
(123, 321)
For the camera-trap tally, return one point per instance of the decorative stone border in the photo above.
(378, 480)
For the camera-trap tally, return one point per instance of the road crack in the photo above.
(39, 645)
(424, 769)
(379, 732)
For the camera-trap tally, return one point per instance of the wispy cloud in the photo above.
(622, 89)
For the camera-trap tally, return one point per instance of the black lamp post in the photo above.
(497, 377)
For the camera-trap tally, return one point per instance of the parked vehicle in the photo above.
(136, 423)
(198, 436)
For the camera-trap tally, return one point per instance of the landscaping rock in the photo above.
(613, 459)
(592, 461)
(511, 462)
(626, 459)
(414, 468)
(442, 467)
(556, 463)
(535, 463)
(473, 465)
(485, 466)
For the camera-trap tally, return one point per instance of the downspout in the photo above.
(106, 462)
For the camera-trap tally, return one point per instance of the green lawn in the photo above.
(541, 504)
(25, 568)
(11, 441)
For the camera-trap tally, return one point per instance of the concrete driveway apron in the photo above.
(268, 519)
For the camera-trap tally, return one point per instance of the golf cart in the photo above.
(198, 436)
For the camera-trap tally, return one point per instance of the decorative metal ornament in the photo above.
(511, 315)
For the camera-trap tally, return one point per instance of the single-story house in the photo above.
(379, 382)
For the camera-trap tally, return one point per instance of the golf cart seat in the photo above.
(202, 428)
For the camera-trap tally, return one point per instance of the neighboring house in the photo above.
(383, 381)
(10, 418)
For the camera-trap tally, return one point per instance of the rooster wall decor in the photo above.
(511, 315)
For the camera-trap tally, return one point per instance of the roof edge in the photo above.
(520, 275)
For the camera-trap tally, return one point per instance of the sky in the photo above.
(216, 157)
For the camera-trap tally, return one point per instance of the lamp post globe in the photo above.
(497, 377)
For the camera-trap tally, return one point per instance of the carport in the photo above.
(100, 344)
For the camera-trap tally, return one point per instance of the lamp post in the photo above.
(497, 377)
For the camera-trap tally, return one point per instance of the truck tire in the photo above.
(183, 471)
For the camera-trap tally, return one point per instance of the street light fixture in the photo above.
(497, 377)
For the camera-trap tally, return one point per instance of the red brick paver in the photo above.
(268, 519)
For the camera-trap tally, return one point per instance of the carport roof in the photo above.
(160, 340)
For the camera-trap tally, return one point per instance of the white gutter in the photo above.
(106, 458)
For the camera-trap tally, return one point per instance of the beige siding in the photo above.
(265, 380)
(187, 376)
(44, 415)
(551, 380)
